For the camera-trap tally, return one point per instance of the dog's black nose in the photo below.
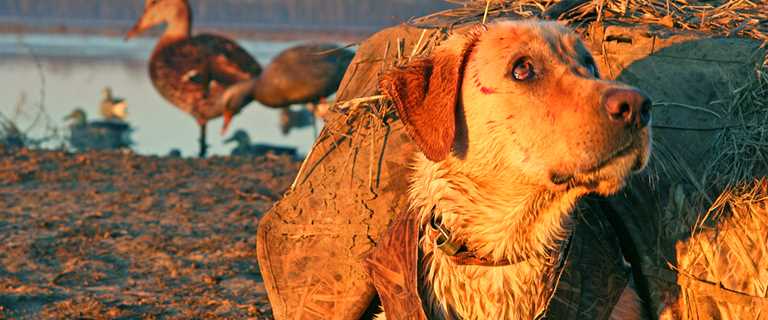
(628, 107)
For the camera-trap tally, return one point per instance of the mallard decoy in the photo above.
(304, 74)
(193, 72)
(302, 117)
(174, 153)
(244, 147)
(295, 119)
(97, 135)
(113, 108)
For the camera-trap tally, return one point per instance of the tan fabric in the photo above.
(312, 243)
(393, 267)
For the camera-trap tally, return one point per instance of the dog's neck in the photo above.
(496, 217)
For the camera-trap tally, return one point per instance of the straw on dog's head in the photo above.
(523, 99)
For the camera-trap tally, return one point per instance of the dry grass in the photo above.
(742, 149)
(30, 119)
(723, 17)
(722, 266)
(112, 235)
(10, 135)
(37, 130)
(738, 150)
(730, 18)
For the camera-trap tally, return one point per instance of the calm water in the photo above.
(68, 71)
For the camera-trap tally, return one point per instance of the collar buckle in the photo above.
(443, 240)
(457, 252)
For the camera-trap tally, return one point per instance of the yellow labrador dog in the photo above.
(514, 126)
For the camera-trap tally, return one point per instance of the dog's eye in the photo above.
(523, 69)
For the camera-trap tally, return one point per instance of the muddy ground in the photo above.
(113, 235)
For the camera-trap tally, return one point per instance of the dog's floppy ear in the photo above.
(426, 93)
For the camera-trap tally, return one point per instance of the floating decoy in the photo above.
(113, 108)
(304, 74)
(193, 72)
(302, 117)
(296, 119)
(245, 148)
(97, 135)
(174, 153)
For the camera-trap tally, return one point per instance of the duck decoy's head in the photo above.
(240, 136)
(106, 94)
(160, 11)
(76, 117)
(234, 99)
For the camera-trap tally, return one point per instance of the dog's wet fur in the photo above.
(515, 126)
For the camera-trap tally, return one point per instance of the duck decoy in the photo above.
(113, 108)
(302, 117)
(303, 74)
(295, 119)
(97, 135)
(174, 153)
(244, 147)
(193, 72)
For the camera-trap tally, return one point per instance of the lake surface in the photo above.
(62, 72)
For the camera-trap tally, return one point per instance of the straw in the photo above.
(742, 18)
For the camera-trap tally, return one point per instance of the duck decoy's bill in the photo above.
(227, 120)
(137, 29)
(154, 14)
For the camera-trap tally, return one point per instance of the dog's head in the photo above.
(524, 98)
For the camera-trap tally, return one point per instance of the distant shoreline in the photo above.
(10, 25)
